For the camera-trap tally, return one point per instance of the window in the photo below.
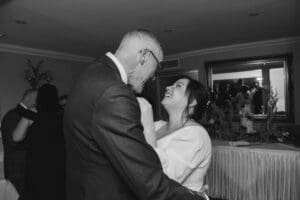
(253, 82)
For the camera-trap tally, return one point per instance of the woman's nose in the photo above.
(168, 87)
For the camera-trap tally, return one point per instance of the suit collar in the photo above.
(119, 66)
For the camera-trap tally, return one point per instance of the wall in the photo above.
(12, 83)
(197, 59)
(296, 70)
(65, 68)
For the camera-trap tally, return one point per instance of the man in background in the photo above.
(63, 101)
(15, 152)
(106, 151)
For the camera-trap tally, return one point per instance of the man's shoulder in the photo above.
(10, 119)
(99, 72)
(96, 80)
(11, 113)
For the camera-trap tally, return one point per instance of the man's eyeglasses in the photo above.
(155, 58)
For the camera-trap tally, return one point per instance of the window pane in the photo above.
(277, 85)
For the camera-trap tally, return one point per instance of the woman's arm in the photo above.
(19, 132)
(147, 121)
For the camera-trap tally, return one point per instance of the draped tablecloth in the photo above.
(259, 172)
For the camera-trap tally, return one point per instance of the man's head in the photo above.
(140, 53)
(29, 98)
(63, 100)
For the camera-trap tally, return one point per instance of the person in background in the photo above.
(224, 103)
(242, 98)
(107, 154)
(243, 106)
(257, 98)
(15, 152)
(45, 159)
(183, 145)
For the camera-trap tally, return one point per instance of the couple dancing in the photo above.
(107, 154)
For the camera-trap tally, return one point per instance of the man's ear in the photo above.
(143, 56)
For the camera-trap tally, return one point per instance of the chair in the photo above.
(8, 191)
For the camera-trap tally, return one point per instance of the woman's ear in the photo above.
(194, 103)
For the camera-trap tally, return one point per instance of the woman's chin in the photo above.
(164, 101)
(167, 102)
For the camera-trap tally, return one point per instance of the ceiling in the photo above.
(92, 27)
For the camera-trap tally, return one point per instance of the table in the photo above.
(258, 172)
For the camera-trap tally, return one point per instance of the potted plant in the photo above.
(35, 76)
(271, 109)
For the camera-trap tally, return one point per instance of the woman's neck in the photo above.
(176, 121)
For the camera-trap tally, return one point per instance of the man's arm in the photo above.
(118, 132)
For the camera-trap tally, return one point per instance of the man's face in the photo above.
(142, 73)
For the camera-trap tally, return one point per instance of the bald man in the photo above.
(107, 155)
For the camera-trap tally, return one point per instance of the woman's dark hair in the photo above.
(196, 91)
(47, 98)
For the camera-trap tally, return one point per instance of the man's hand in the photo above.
(147, 121)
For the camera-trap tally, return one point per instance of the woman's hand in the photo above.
(33, 109)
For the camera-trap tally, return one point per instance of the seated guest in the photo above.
(14, 152)
(182, 144)
(45, 163)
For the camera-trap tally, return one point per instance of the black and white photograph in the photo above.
(149, 100)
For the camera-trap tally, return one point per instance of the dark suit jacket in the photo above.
(14, 153)
(107, 155)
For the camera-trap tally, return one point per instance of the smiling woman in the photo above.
(155, 88)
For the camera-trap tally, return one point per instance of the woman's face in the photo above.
(175, 94)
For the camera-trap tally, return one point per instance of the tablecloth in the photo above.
(259, 172)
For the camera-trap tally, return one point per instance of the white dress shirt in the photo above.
(119, 66)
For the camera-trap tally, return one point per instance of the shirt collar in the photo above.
(23, 105)
(119, 66)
